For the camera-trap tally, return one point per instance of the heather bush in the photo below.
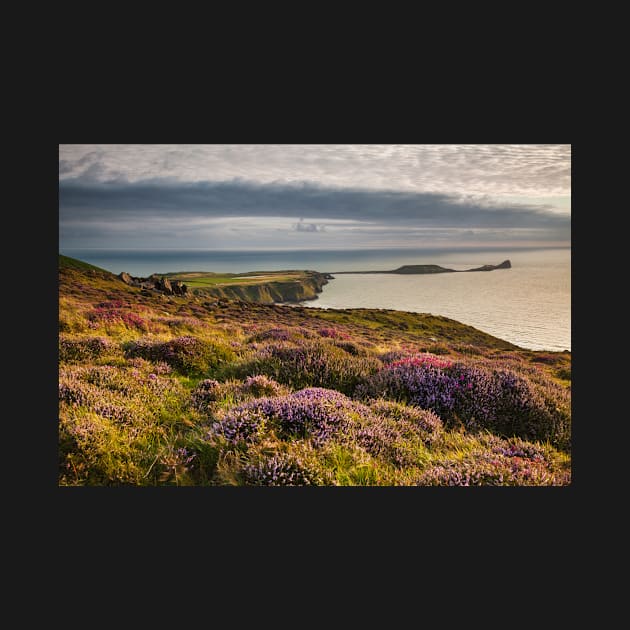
(113, 423)
(314, 413)
(281, 469)
(211, 394)
(397, 442)
(275, 334)
(262, 385)
(205, 394)
(477, 398)
(109, 313)
(426, 423)
(124, 395)
(333, 333)
(189, 355)
(313, 364)
(492, 469)
(84, 348)
(240, 426)
(395, 355)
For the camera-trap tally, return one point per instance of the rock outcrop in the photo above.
(155, 283)
(506, 264)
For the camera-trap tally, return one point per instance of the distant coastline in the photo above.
(427, 269)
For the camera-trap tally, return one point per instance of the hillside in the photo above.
(197, 389)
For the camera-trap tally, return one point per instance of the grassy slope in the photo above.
(65, 262)
(137, 439)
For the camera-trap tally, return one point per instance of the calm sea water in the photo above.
(529, 304)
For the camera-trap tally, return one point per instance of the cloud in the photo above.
(497, 170)
(157, 212)
(181, 201)
(300, 226)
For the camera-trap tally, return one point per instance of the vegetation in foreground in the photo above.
(168, 390)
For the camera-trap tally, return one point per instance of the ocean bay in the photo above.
(529, 304)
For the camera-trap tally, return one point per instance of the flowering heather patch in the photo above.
(281, 470)
(491, 469)
(421, 360)
(189, 355)
(261, 385)
(274, 334)
(240, 425)
(515, 447)
(124, 395)
(395, 355)
(391, 440)
(427, 423)
(186, 322)
(108, 315)
(83, 349)
(315, 413)
(315, 364)
(333, 333)
(498, 400)
(206, 393)
(111, 304)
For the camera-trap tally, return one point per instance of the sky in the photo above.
(322, 196)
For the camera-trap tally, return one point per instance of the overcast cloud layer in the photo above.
(292, 196)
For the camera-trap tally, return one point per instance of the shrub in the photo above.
(491, 469)
(281, 470)
(275, 334)
(204, 394)
(479, 398)
(333, 333)
(313, 364)
(427, 423)
(241, 425)
(111, 313)
(314, 413)
(83, 349)
(189, 355)
(261, 385)
(394, 441)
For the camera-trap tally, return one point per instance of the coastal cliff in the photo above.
(274, 292)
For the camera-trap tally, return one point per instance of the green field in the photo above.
(197, 280)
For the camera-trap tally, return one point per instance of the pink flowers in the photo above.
(109, 315)
(333, 333)
(422, 360)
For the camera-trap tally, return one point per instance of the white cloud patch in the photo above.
(496, 170)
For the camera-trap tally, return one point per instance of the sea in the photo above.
(528, 305)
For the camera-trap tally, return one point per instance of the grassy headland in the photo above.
(161, 389)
